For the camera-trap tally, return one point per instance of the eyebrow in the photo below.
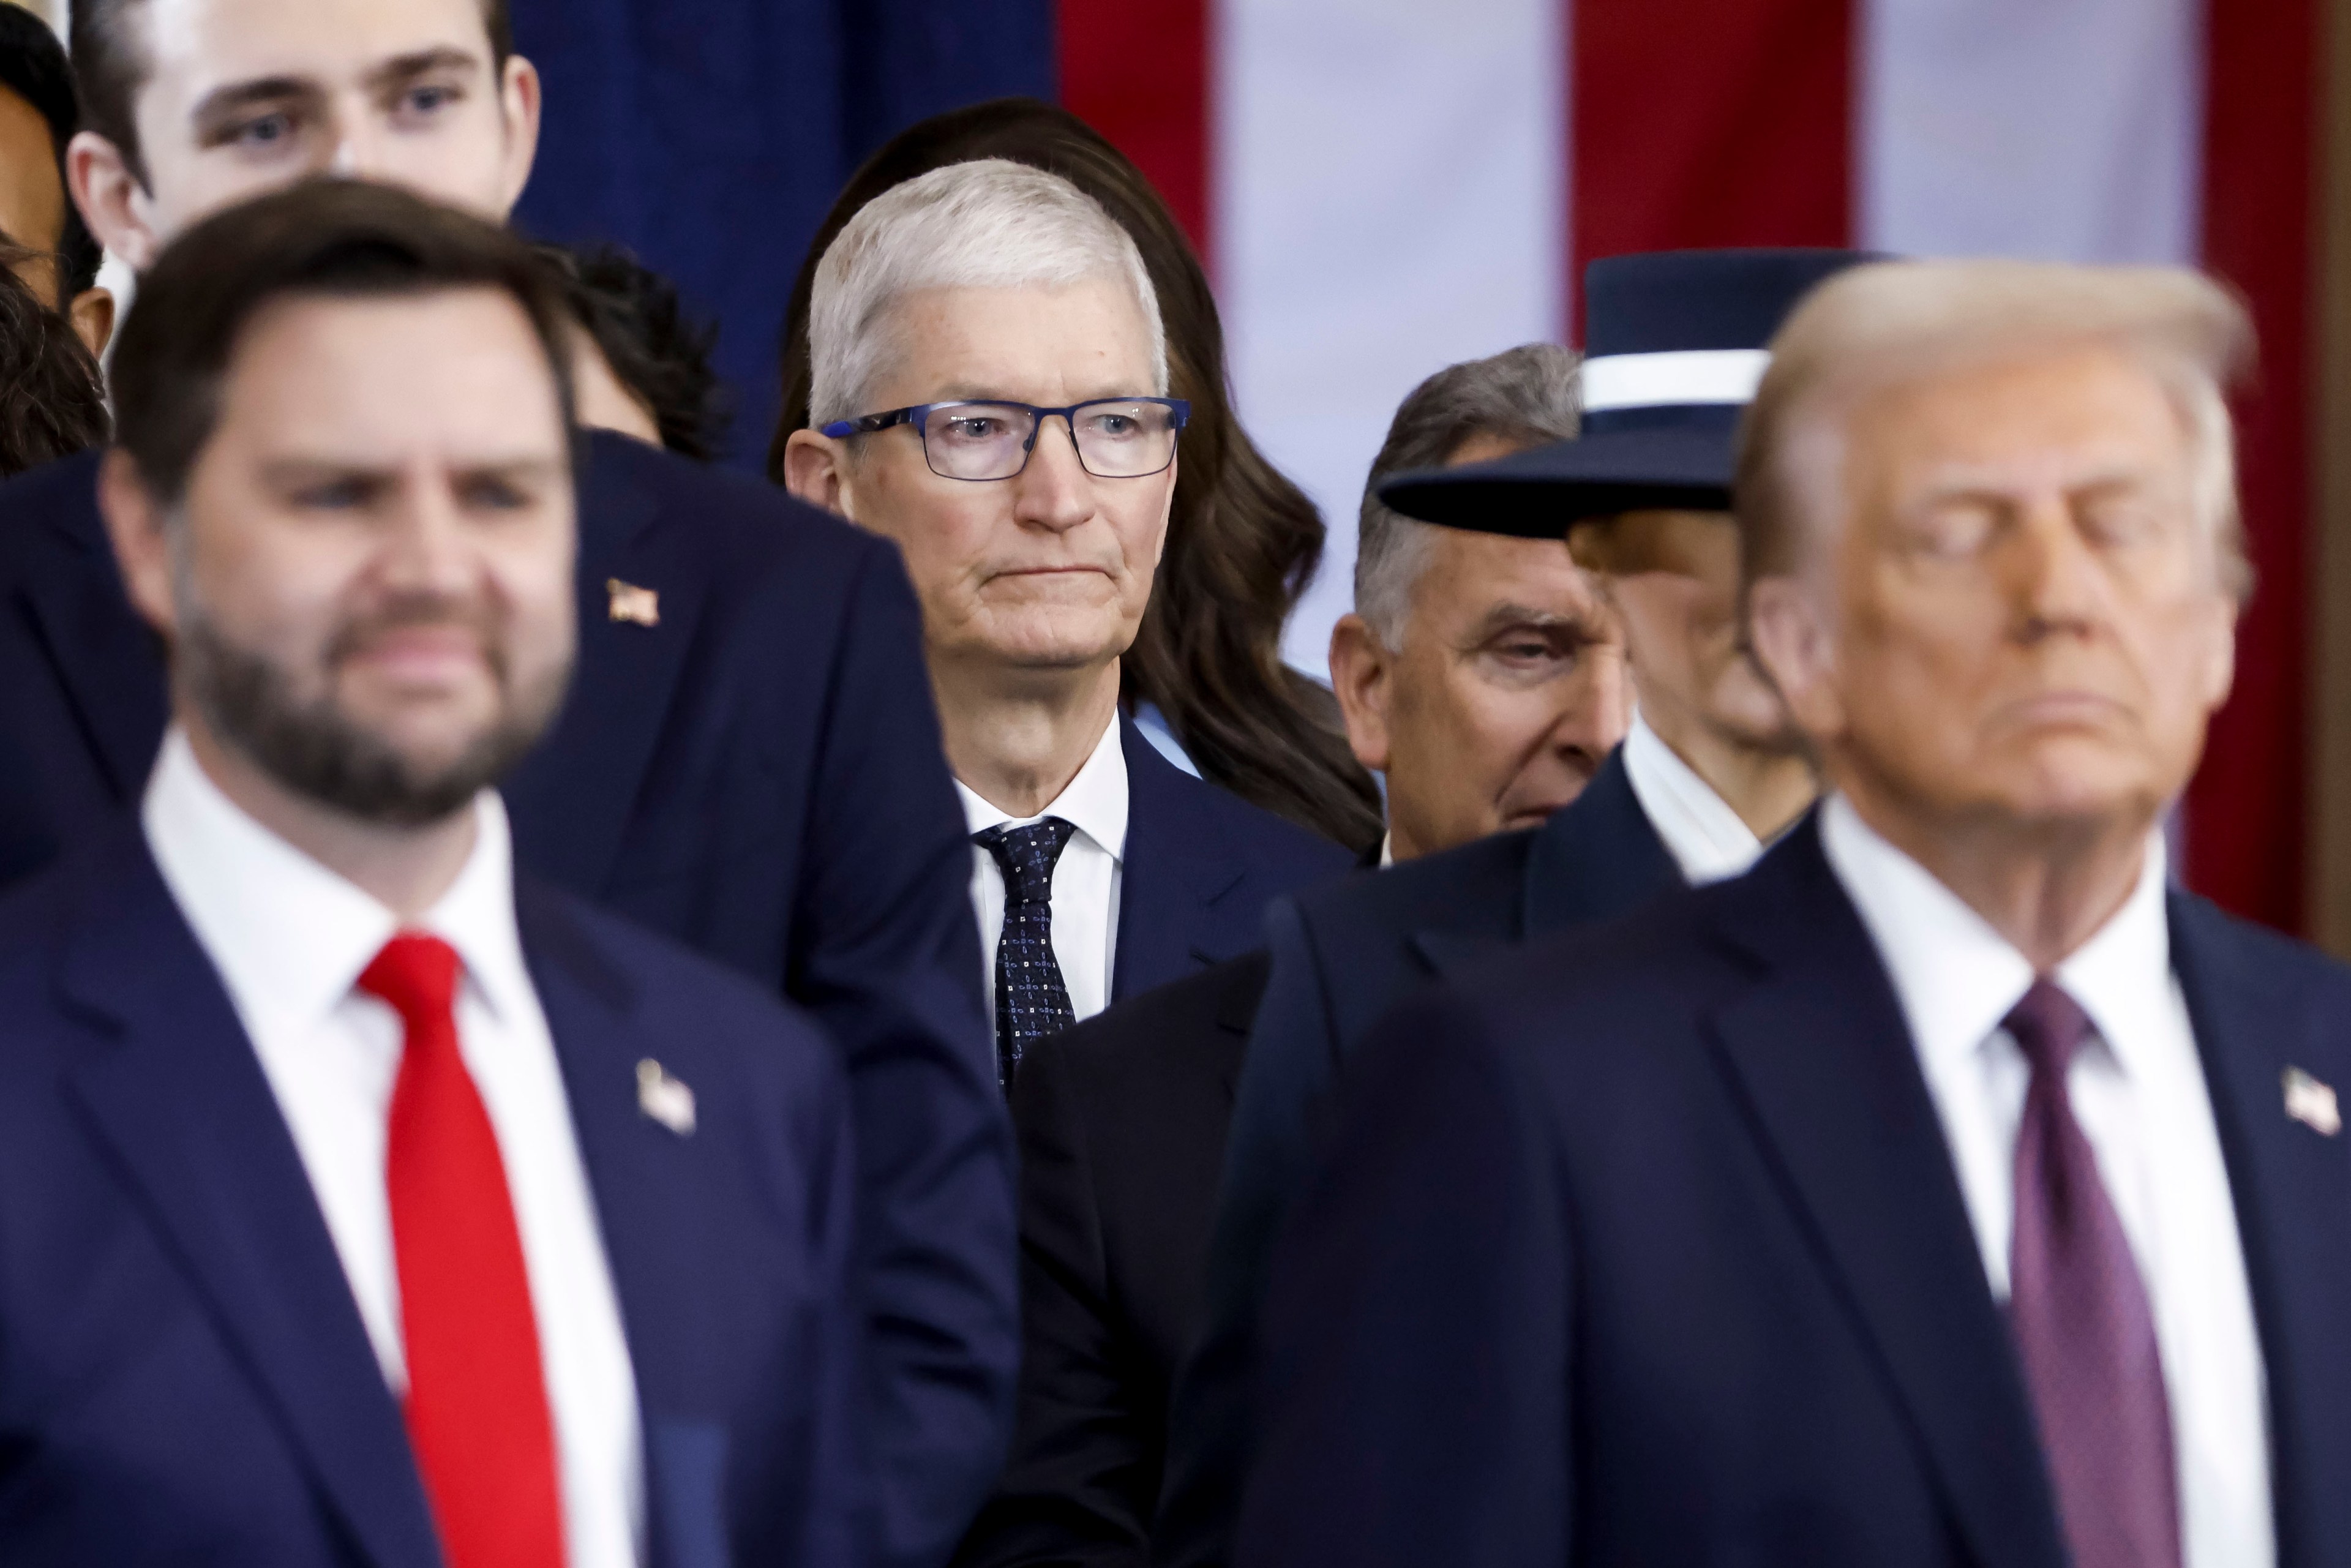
(404, 69)
(224, 102)
(1505, 616)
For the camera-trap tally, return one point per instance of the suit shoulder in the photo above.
(56, 498)
(738, 511)
(1173, 1016)
(1278, 849)
(665, 980)
(1474, 889)
(2258, 952)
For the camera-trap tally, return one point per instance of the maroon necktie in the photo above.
(2081, 1318)
(477, 1409)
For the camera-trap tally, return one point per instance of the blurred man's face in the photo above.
(1504, 696)
(32, 198)
(368, 586)
(246, 96)
(1673, 577)
(1049, 571)
(2023, 620)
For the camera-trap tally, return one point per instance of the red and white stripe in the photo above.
(1386, 186)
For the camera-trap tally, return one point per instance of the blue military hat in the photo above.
(1674, 349)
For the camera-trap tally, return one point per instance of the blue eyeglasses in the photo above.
(1116, 437)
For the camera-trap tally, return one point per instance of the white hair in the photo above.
(1891, 321)
(989, 223)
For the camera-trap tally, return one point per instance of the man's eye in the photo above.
(334, 496)
(264, 131)
(975, 428)
(1954, 533)
(493, 494)
(429, 100)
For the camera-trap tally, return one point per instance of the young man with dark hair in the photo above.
(751, 762)
(54, 255)
(651, 375)
(344, 1191)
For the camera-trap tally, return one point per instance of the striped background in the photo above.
(1385, 186)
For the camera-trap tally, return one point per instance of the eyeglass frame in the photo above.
(917, 414)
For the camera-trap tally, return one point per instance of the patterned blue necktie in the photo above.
(1032, 1002)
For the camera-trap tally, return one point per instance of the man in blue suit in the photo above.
(362, 1198)
(1949, 1189)
(749, 762)
(989, 375)
(1710, 769)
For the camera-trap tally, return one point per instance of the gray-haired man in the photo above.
(1478, 670)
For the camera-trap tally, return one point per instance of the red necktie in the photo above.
(477, 1411)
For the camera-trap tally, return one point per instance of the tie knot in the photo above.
(416, 974)
(2049, 1027)
(1027, 856)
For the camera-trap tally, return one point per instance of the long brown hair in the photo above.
(1242, 540)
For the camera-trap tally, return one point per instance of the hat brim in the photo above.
(1543, 492)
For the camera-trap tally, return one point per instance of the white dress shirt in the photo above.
(1701, 832)
(1085, 879)
(291, 938)
(2137, 1089)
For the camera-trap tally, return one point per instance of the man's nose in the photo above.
(1054, 491)
(425, 548)
(355, 147)
(2054, 575)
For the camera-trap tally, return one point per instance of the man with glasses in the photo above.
(989, 365)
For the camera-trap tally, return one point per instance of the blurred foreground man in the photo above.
(361, 1198)
(989, 379)
(749, 762)
(1948, 1189)
(1709, 768)
(1485, 677)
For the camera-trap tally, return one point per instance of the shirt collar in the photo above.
(1094, 802)
(1700, 830)
(1958, 979)
(289, 934)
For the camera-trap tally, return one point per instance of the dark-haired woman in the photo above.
(1242, 540)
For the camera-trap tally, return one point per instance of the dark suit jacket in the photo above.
(183, 1374)
(1645, 1246)
(1121, 1123)
(1342, 957)
(759, 776)
(1201, 865)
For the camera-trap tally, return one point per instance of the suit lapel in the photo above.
(651, 1188)
(1178, 865)
(1598, 858)
(1818, 1051)
(1445, 952)
(571, 799)
(108, 662)
(181, 1103)
(2289, 1185)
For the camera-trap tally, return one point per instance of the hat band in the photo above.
(1677, 376)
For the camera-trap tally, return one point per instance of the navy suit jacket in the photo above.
(1342, 957)
(759, 776)
(1201, 865)
(183, 1374)
(1644, 1246)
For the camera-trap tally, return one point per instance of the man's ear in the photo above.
(815, 471)
(136, 524)
(1360, 669)
(519, 99)
(1798, 654)
(113, 203)
(92, 315)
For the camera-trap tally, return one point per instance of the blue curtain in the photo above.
(710, 136)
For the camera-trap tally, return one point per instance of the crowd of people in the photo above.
(563, 1005)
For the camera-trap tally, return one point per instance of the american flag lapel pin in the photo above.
(665, 1099)
(636, 606)
(2311, 1103)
